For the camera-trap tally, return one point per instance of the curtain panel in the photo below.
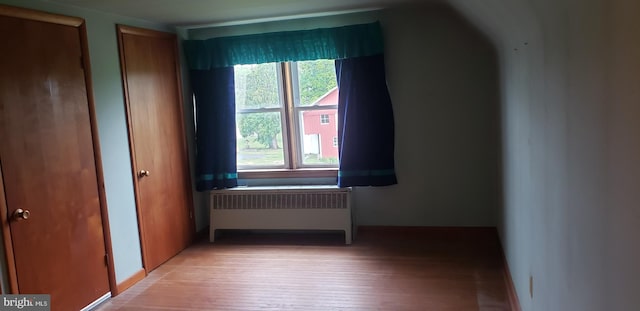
(214, 92)
(365, 123)
(323, 43)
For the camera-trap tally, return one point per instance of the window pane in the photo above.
(259, 140)
(316, 81)
(324, 119)
(257, 86)
(319, 139)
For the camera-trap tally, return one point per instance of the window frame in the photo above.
(290, 112)
(322, 119)
(281, 109)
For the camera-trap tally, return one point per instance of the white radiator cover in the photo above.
(284, 208)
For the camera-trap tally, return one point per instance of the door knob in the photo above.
(143, 173)
(21, 214)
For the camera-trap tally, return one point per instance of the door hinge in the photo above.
(82, 62)
(106, 260)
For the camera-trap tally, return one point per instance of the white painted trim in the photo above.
(97, 302)
(281, 188)
(279, 18)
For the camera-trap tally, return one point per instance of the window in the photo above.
(280, 108)
(324, 119)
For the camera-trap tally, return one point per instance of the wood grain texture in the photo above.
(48, 163)
(149, 61)
(40, 16)
(136, 31)
(417, 269)
(289, 173)
(132, 280)
(7, 243)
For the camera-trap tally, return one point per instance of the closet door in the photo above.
(150, 71)
(49, 190)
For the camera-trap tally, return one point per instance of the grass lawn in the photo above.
(261, 157)
(252, 153)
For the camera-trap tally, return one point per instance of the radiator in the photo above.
(284, 208)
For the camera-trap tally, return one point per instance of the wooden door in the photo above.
(150, 70)
(48, 159)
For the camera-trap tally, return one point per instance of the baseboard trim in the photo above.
(97, 302)
(514, 302)
(132, 280)
(427, 229)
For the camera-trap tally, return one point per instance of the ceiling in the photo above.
(211, 12)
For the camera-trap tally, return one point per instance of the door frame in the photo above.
(79, 23)
(122, 30)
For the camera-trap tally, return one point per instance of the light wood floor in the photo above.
(384, 269)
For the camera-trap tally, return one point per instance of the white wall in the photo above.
(442, 75)
(112, 130)
(570, 220)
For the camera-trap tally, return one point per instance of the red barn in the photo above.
(321, 127)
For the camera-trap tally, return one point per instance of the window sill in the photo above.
(287, 173)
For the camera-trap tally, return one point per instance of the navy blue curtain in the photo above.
(365, 123)
(216, 128)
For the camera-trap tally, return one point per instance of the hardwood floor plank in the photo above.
(384, 269)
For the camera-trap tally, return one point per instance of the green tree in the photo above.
(257, 87)
(316, 78)
(263, 126)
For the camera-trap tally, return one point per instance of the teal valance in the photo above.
(323, 43)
